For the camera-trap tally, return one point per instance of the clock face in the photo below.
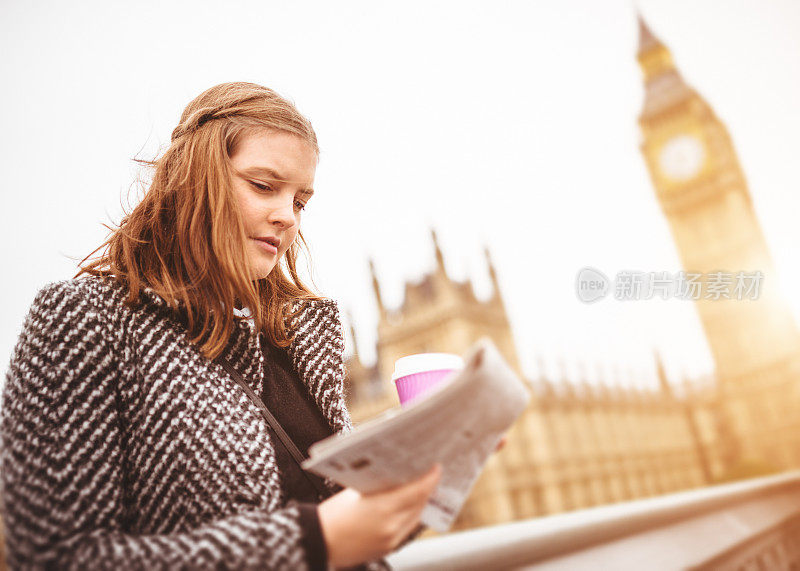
(682, 157)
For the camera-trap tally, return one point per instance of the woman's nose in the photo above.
(283, 215)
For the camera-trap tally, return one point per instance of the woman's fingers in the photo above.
(416, 493)
(414, 504)
(358, 527)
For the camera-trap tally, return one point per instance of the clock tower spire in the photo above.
(664, 86)
(704, 196)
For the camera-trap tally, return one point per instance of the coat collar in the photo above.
(317, 355)
(316, 352)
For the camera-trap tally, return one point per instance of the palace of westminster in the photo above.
(582, 445)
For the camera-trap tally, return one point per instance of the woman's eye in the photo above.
(261, 187)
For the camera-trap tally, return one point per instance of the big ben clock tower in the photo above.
(704, 196)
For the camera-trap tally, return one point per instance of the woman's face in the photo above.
(273, 181)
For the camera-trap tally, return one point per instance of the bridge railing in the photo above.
(753, 524)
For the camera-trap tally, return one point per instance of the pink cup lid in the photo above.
(422, 362)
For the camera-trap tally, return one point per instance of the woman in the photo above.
(127, 443)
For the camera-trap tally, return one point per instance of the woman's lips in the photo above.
(266, 246)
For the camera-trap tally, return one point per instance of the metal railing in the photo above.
(754, 524)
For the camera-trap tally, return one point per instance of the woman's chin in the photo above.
(262, 271)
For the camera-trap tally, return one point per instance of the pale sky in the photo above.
(507, 124)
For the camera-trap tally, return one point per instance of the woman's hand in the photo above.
(361, 527)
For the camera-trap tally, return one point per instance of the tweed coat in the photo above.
(123, 447)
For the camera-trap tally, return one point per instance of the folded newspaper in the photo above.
(458, 424)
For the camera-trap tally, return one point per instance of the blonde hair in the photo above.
(186, 240)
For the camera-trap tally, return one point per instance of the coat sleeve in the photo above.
(62, 462)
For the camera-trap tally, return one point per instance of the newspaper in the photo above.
(457, 424)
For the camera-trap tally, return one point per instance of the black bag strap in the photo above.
(276, 426)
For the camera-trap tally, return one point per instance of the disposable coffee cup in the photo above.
(416, 375)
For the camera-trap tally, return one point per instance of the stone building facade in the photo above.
(576, 445)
